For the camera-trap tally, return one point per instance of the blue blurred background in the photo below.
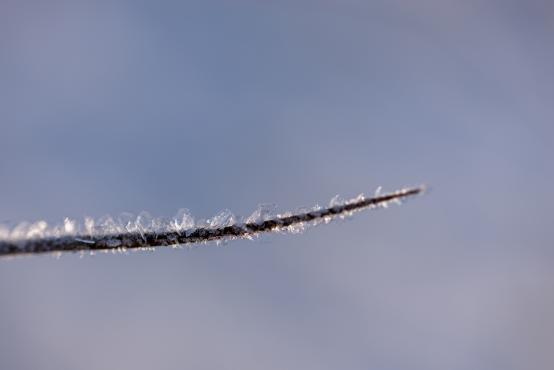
(112, 106)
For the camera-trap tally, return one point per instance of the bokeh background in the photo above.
(112, 106)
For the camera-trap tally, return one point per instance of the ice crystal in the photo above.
(69, 226)
(222, 219)
(337, 200)
(183, 220)
(144, 231)
(262, 213)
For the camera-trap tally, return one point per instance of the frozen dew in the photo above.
(359, 198)
(116, 235)
(337, 200)
(69, 226)
(144, 221)
(222, 242)
(127, 221)
(37, 230)
(296, 228)
(20, 231)
(107, 226)
(222, 219)
(160, 225)
(262, 213)
(183, 220)
(397, 201)
(89, 225)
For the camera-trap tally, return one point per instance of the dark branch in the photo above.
(138, 240)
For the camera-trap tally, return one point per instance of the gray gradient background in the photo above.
(155, 105)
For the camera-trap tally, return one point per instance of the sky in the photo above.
(124, 106)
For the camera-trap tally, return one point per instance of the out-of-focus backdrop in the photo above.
(112, 106)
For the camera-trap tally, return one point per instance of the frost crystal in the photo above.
(144, 232)
(183, 220)
(37, 230)
(69, 226)
(222, 219)
(263, 213)
(127, 221)
(89, 226)
(337, 200)
(144, 222)
(107, 226)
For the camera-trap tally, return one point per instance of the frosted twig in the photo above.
(141, 239)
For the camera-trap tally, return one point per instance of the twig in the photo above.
(146, 240)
